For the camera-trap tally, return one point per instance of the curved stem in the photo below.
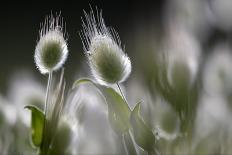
(122, 93)
(44, 145)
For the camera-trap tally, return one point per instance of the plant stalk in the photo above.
(124, 98)
(44, 146)
(127, 138)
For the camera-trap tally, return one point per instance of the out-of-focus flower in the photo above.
(8, 118)
(182, 53)
(191, 15)
(213, 114)
(25, 90)
(51, 50)
(65, 134)
(108, 62)
(217, 71)
(8, 112)
(13, 133)
(94, 134)
(167, 124)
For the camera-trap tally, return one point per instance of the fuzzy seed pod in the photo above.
(108, 62)
(51, 50)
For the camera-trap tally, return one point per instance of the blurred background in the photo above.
(181, 71)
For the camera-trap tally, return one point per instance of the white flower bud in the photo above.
(51, 50)
(108, 62)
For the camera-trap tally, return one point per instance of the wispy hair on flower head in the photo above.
(51, 50)
(50, 54)
(108, 62)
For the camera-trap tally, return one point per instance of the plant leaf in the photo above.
(118, 110)
(129, 143)
(82, 81)
(143, 136)
(37, 123)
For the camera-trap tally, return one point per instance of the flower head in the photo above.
(108, 62)
(183, 58)
(51, 50)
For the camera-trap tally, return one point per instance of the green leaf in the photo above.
(37, 123)
(118, 111)
(82, 81)
(143, 136)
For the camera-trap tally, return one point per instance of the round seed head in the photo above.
(108, 62)
(51, 50)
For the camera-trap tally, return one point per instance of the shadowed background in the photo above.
(20, 29)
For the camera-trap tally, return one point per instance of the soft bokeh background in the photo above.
(194, 35)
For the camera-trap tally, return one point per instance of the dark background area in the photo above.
(20, 29)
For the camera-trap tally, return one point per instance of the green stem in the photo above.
(44, 145)
(127, 138)
(124, 98)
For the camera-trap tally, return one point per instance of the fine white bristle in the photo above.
(51, 50)
(108, 62)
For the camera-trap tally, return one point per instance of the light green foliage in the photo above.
(118, 110)
(122, 120)
(82, 81)
(37, 124)
(143, 135)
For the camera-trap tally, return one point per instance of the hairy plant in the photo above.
(111, 66)
(50, 54)
(102, 46)
(51, 50)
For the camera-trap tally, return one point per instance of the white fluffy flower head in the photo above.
(108, 62)
(51, 50)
